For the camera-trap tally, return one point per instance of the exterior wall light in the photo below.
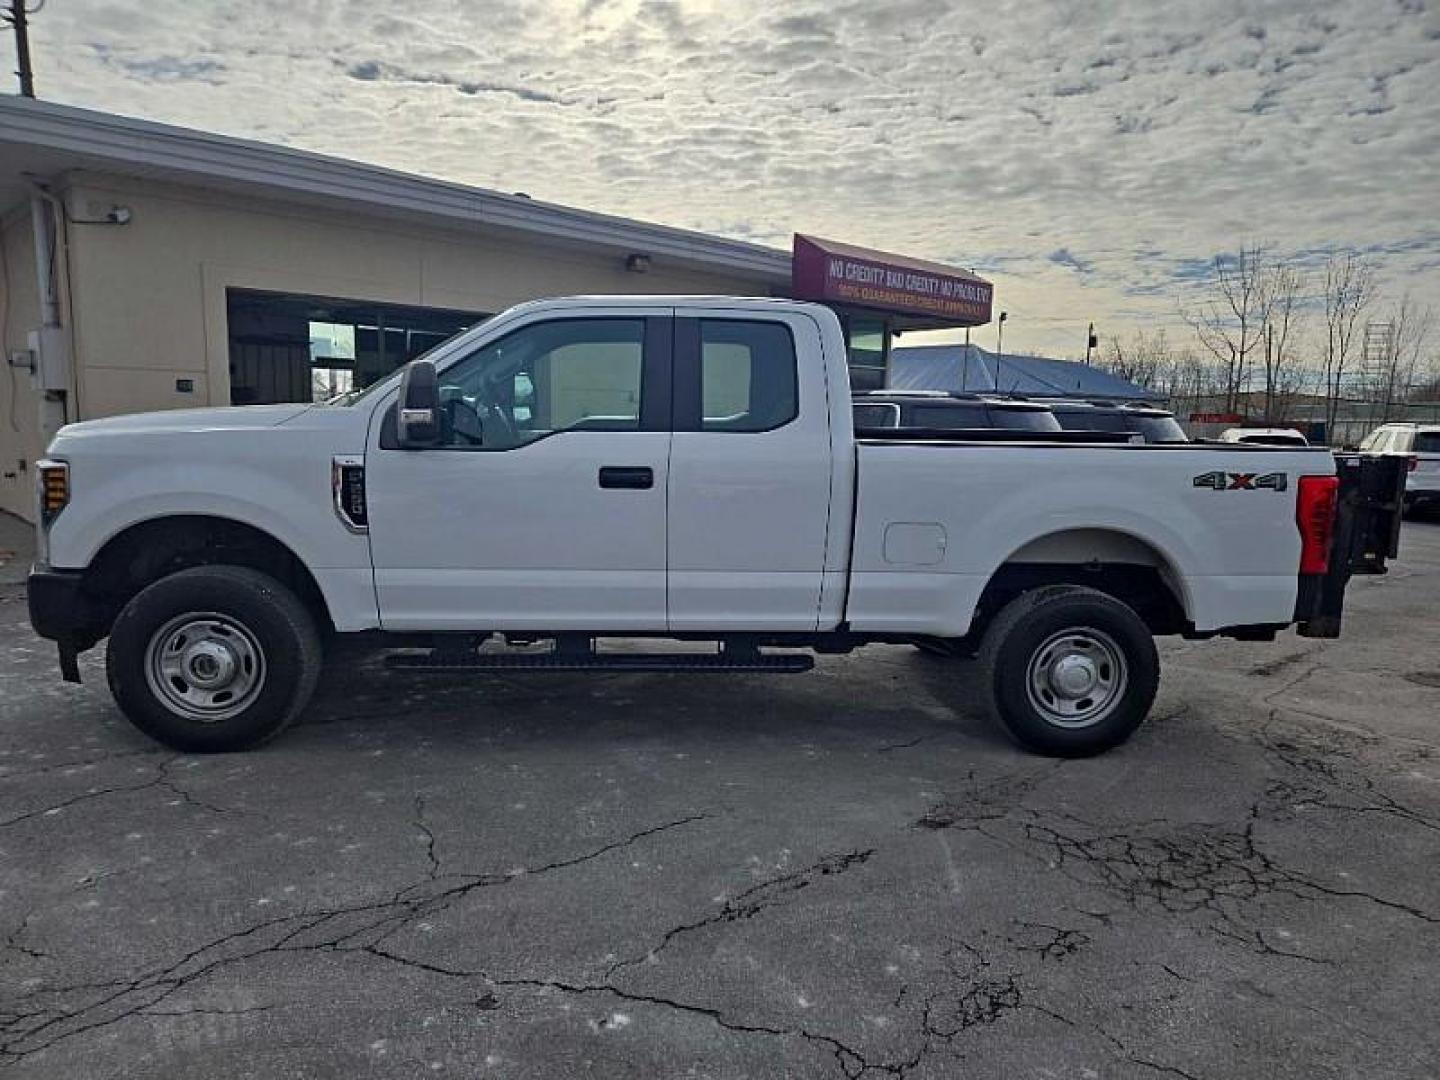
(637, 263)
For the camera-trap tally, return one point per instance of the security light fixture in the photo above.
(637, 263)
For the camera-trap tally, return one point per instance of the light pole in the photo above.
(1000, 347)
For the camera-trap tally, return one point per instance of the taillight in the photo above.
(1412, 463)
(53, 478)
(1315, 515)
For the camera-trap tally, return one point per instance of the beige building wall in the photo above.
(20, 439)
(149, 296)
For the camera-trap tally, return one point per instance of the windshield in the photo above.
(1427, 442)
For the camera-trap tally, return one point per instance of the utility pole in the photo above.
(965, 360)
(18, 17)
(999, 347)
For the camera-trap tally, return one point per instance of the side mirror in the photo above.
(417, 417)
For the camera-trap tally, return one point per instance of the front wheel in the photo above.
(212, 659)
(1069, 671)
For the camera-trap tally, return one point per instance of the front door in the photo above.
(544, 506)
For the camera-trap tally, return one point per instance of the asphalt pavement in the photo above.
(840, 874)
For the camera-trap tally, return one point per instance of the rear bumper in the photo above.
(61, 610)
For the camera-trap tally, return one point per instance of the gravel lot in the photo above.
(840, 874)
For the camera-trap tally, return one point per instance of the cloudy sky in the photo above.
(1091, 158)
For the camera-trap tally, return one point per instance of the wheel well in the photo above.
(1114, 563)
(146, 552)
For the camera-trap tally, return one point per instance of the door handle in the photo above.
(627, 476)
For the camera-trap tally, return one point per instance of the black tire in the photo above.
(251, 626)
(1100, 639)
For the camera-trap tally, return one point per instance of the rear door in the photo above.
(750, 472)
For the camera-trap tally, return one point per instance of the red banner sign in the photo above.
(1216, 418)
(825, 270)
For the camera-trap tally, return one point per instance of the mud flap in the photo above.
(69, 661)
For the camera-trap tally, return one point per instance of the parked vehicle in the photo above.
(1264, 436)
(635, 467)
(1152, 424)
(1419, 445)
(945, 410)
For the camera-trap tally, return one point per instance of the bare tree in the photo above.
(1394, 378)
(1282, 288)
(1231, 322)
(1349, 292)
(1144, 360)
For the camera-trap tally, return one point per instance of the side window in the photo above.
(876, 415)
(748, 379)
(1400, 441)
(566, 375)
(955, 417)
(1371, 441)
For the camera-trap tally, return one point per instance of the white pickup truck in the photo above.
(666, 467)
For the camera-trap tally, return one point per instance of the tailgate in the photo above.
(1367, 533)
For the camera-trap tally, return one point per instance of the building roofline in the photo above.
(106, 141)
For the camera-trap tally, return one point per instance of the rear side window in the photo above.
(1024, 419)
(1427, 442)
(1093, 420)
(1158, 429)
(877, 416)
(951, 417)
(748, 378)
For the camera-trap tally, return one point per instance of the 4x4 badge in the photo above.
(1238, 481)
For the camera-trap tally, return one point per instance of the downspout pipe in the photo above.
(46, 215)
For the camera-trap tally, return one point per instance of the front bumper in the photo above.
(61, 609)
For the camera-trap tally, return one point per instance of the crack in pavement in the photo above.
(434, 860)
(902, 745)
(162, 779)
(25, 1030)
(752, 901)
(1188, 869)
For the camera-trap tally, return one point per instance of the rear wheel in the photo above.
(212, 659)
(1069, 671)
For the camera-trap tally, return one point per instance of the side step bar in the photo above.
(589, 661)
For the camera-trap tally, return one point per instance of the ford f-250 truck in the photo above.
(664, 467)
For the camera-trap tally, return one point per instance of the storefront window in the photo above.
(292, 347)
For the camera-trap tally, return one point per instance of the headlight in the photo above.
(53, 482)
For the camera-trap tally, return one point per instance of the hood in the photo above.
(173, 420)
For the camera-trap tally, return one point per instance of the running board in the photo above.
(688, 663)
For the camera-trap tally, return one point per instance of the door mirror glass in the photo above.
(417, 420)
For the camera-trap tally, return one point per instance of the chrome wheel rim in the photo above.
(1077, 677)
(205, 666)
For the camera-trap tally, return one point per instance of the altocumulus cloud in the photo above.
(1089, 156)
